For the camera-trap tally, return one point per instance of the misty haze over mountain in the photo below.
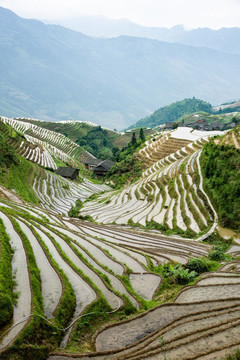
(53, 73)
(225, 39)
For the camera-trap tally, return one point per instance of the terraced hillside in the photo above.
(91, 257)
(94, 261)
(81, 289)
(53, 192)
(35, 184)
(48, 142)
(231, 138)
(169, 196)
(162, 146)
(93, 138)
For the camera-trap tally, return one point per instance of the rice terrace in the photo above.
(142, 263)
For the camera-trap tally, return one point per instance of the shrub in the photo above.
(185, 276)
(176, 274)
(198, 264)
(74, 211)
(217, 254)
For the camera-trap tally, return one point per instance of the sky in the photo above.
(214, 14)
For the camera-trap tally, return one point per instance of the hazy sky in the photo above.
(191, 13)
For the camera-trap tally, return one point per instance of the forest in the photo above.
(173, 112)
(221, 168)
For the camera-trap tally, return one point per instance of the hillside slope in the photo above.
(90, 137)
(69, 288)
(21, 173)
(169, 195)
(173, 112)
(220, 162)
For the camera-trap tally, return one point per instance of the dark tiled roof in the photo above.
(218, 124)
(94, 162)
(100, 168)
(106, 164)
(66, 171)
(85, 157)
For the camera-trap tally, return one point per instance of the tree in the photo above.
(134, 140)
(141, 135)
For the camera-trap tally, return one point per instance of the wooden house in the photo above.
(67, 172)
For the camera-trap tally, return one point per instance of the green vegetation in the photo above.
(173, 112)
(95, 139)
(220, 247)
(97, 142)
(16, 172)
(95, 314)
(8, 155)
(74, 211)
(20, 177)
(217, 240)
(6, 283)
(235, 356)
(128, 167)
(220, 167)
(175, 276)
(201, 265)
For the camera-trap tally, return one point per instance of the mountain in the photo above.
(224, 39)
(54, 73)
(101, 26)
(173, 112)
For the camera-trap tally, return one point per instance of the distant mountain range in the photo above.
(53, 73)
(225, 39)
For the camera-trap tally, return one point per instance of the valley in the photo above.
(92, 269)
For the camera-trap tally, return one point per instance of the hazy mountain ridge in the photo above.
(224, 39)
(54, 73)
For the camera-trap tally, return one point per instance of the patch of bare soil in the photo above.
(9, 195)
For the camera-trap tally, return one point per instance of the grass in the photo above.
(175, 276)
(235, 356)
(20, 178)
(216, 240)
(6, 281)
(97, 314)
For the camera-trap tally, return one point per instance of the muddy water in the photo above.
(145, 285)
(227, 233)
(20, 271)
(208, 292)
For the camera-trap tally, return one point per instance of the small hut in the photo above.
(67, 172)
